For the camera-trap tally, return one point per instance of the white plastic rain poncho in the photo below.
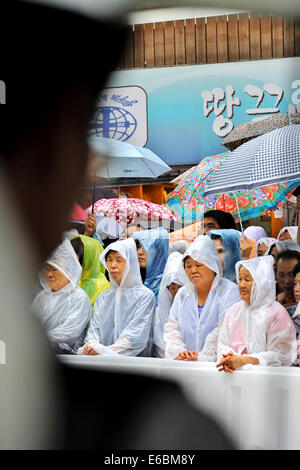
(268, 241)
(65, 313)
(293, 231)
(68, 234)
(255, 232)
(156, 243)
(285, 245)
(184, 329)
(173, 273)
(264, 329)
(123, 315)
(179, 245)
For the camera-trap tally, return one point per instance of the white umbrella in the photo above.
(124, 160)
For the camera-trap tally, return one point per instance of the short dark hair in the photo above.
(289, 254)
(109, 251)
(223, 219)
(138, 244)
(78, 246)
(184, 260)
(296, 269)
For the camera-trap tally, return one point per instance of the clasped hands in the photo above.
(228, 363)
(231, 362)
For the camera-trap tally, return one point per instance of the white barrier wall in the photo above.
(258, 407)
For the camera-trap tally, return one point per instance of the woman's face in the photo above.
(142, 256)
(55, 279)
(285, 236)
(262, 249)
(200, 275)
(173, 288)
(115, 265)
(220, 250)
(297, 287)
(245, 284)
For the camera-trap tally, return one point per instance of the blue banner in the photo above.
(184, 113)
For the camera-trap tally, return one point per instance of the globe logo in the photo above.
(114, 123)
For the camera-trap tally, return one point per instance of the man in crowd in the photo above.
(286, 261)
(215, 219)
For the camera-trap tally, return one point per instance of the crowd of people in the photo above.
(228, 297)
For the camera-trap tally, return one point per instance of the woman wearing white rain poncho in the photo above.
(173, 279)
(199, 307)
(123, 315)
(257, 330)
(63, 307)
(288, 233)
(264, 244)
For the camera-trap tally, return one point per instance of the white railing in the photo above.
(258, 407)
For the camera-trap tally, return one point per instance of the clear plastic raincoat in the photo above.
(285, 245)
(93, 280)
(173, 273)
(64, 313)
(156, 243)
(123, 315)
(179, 245)
(264, 329)
(268, 241)
(232, 250)
(70, 234)
(255, 232)
(293, 231)
(185, 330)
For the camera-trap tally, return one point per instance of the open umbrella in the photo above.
(189, 202)
(78, 213)
(267, 160)
(131, 210)
(252, 129)
(183, 176)
(124, 160)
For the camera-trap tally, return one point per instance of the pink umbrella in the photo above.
(131, 210)
(78, 213)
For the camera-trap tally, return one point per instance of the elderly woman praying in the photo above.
(199, 307)
(257, 330)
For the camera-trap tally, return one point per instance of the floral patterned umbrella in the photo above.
(131, 210)
(188, 202)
